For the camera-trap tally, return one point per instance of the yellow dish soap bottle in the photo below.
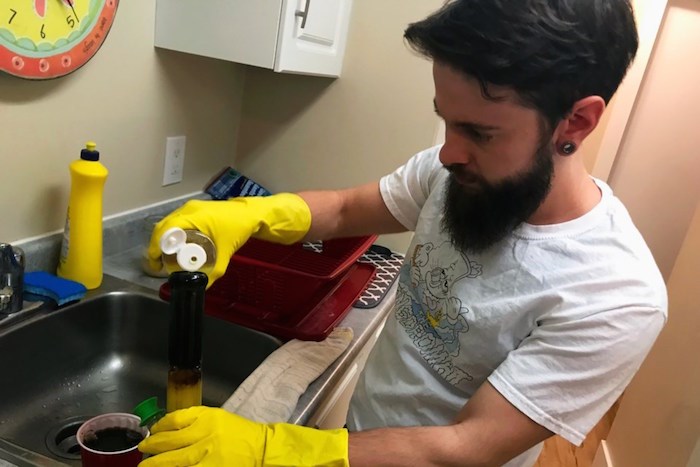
(81, 252)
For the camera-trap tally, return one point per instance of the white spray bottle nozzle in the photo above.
(190, 256)
(172, 240)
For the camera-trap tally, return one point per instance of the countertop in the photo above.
(126, 265)
(123, 261)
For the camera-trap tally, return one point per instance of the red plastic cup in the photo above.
(124, 458)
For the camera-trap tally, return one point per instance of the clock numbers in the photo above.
(70, 2)
(45, 39)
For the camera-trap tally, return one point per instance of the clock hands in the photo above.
(70, 4)
(40, 7)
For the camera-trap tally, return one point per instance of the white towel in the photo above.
(270, 394)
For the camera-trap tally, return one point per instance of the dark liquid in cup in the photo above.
(113, 439)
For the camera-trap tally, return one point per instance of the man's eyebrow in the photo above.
(469, 125)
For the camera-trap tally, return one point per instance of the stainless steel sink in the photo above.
(105, 354)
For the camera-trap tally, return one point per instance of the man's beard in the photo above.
(477, 219)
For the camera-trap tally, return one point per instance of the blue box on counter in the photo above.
(229, 183)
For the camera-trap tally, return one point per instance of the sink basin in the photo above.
(105, 354)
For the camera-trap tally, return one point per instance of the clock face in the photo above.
(43, 39)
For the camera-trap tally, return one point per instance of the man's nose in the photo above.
(454, 152)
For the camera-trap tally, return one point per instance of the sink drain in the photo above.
(61, 440)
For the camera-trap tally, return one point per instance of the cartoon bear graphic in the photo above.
(434, 271)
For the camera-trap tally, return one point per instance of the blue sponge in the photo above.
(45, 285)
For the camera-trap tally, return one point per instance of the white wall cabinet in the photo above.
(332, 411)
(288, 36)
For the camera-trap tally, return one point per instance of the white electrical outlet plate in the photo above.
(174, 159)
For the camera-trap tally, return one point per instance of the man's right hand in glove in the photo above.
(282, 218)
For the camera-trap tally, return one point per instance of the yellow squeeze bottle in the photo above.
(81, 252)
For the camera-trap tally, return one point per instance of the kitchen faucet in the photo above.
(11, 279)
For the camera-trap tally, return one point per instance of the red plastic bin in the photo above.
(311, 321)
(290, 291)
(281, 278)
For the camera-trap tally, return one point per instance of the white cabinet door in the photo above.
(241, 31)
(312, 36)
(333, 410)
(293, 36)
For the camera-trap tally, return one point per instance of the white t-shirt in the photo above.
(558, 318)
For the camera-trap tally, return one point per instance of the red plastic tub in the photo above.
(290, 291)
(283, 278)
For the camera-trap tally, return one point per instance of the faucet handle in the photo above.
(19, 256)
(11, 279)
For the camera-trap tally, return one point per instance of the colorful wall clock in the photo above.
(44, 39)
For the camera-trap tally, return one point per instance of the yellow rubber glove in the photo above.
(212, 437)
(283, 218)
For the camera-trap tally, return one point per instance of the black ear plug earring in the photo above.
(568, 148)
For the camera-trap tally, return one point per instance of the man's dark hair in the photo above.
(551, 52)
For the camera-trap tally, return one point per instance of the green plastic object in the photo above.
(148, 411)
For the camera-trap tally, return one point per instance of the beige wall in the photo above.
(656, 173)
(605, 145)
(658, 423)
(592, 145)
(296, 132)
(128, 98)
(657, 169)
(695, 456)
(299, 132)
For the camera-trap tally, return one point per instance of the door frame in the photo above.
(649, 20)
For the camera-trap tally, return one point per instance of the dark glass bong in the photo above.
(185, 339)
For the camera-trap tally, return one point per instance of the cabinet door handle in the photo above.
(303, 14)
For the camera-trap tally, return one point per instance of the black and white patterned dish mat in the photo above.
(387, 264)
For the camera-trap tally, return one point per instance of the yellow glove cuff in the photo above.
(292, 445)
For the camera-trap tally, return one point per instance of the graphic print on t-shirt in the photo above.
(433, 318)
